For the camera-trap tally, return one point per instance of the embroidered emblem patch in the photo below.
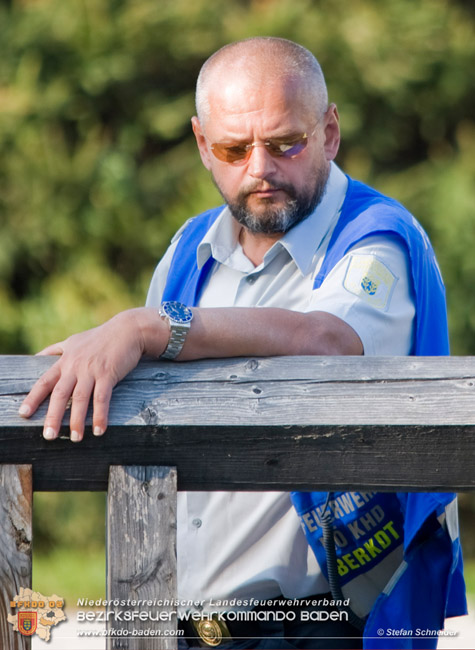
(27, 623)
(370, 280)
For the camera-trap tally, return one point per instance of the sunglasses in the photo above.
(288, 146)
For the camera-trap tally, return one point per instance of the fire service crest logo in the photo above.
(27, 623)
(35, 613)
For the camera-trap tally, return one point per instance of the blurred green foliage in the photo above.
(68, 548)
(98, 165)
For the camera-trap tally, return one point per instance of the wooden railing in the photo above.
(287, 423)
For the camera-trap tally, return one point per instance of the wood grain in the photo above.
(15, 545)
(141, 554)
(275, 423)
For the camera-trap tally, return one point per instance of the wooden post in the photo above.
(15, 547)
(141, 556)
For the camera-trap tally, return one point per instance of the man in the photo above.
(301, 260)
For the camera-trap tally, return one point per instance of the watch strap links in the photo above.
(176, 341)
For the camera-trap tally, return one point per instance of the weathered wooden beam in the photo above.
(251, 424)
(288, 391)
(141, 558)
(15, 547)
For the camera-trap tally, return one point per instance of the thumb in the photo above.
(54, 349)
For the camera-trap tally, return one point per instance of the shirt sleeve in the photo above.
(371, 290)
(159, 278)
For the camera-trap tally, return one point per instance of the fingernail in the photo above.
(75, 437)
(24, 410)
(49, 433)
(98, 431)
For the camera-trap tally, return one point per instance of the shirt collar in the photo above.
(301, 242)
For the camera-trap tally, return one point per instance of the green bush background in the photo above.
(98, 166)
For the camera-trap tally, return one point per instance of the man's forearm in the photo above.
(237, 332)
(91, 363)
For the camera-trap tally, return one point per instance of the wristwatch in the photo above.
(179, 318)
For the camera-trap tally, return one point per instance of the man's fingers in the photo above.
(60, 396)
(39, 392)
(44, 385)
(80, 402)
(90, 362)
(102, 398)
(62, 390)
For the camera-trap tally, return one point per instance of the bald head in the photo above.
(260, 61)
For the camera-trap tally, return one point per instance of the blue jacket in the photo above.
(428, 586)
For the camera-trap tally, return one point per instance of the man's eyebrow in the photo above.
(283, 136)
(291, 134)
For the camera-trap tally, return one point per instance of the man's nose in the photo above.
(260, 163)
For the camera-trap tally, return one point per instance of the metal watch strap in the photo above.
(176, 341)
(179, 317)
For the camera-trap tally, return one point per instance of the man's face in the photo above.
(268, 194)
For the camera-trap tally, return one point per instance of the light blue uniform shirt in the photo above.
(250, 545)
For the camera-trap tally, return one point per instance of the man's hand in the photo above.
(93, 362)
(90, 365)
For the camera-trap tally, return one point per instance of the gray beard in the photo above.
(279, 220)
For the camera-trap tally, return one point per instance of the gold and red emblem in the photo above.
(27, 622)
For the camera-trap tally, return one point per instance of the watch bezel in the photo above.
(177, 312)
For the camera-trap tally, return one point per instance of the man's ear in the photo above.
(201, 142)
(332, 132)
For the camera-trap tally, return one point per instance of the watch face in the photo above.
(177, 311)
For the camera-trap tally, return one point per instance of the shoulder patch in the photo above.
(370, 279)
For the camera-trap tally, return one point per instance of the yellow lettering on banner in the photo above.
(389, 526)
(361, 556)
(370, 549)
(342, 568)
(350, 561)
(382, 538)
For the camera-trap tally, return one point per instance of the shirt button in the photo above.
(251, 279)
(196, 523)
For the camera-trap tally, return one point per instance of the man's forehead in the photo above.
(246, 98)
(234, 80)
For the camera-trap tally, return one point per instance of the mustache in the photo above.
(265, 186)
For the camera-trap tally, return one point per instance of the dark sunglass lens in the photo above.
(277, 147)
(219, 151)
(228, 153)
(237, 152)
(291, 149)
